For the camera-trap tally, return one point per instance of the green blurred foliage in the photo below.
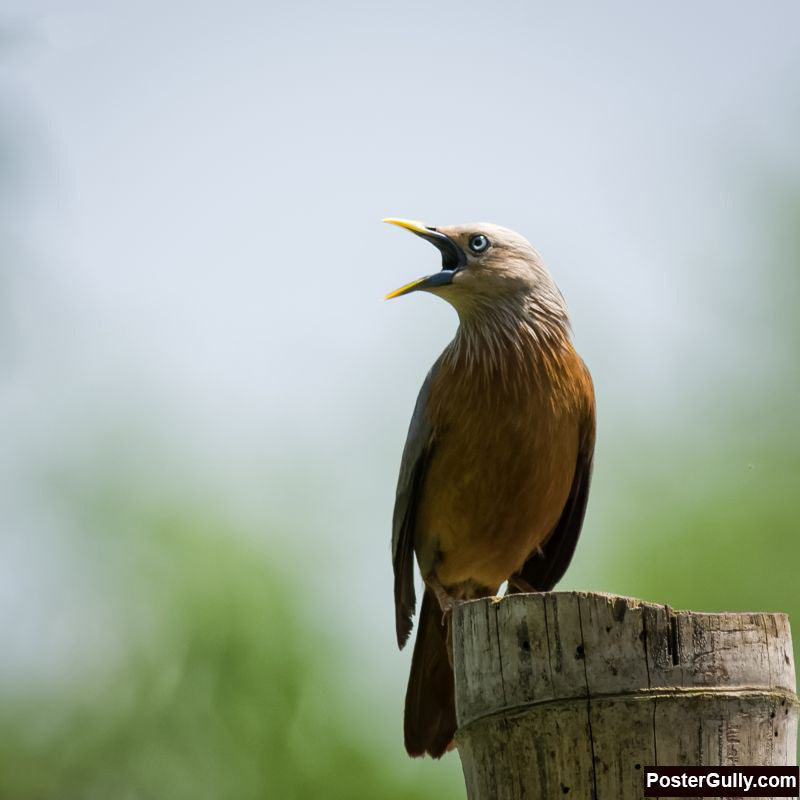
(226, 689)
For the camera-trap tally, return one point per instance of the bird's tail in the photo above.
(430, 716)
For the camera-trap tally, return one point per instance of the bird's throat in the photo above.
(505, 345)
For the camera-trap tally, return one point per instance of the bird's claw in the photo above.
(447, 609)
(446, 601)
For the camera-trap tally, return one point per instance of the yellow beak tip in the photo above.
(409, 224)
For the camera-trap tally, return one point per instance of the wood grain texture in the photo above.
(568, 695)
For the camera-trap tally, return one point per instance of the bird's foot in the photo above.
(446, 601)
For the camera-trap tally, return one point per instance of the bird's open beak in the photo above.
(453, 258)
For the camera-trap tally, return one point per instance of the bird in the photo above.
(495, 472)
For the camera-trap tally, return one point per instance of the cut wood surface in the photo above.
(568, 695)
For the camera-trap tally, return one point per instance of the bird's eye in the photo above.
(478, 243)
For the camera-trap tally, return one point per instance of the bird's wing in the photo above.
(416, 455)
(543, 570)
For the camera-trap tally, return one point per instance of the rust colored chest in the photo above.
(505, 450)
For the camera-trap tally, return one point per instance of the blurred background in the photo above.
(203, 400)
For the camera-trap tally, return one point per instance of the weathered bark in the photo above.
(568, 695)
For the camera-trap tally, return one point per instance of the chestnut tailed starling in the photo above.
(496, 468)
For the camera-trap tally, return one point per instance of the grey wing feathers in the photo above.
(416, 454)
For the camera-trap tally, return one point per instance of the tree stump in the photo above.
(569, 695)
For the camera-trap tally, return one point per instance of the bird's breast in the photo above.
(502, 467)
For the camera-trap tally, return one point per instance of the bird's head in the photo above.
(484, 268)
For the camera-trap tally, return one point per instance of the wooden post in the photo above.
(568, 695)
